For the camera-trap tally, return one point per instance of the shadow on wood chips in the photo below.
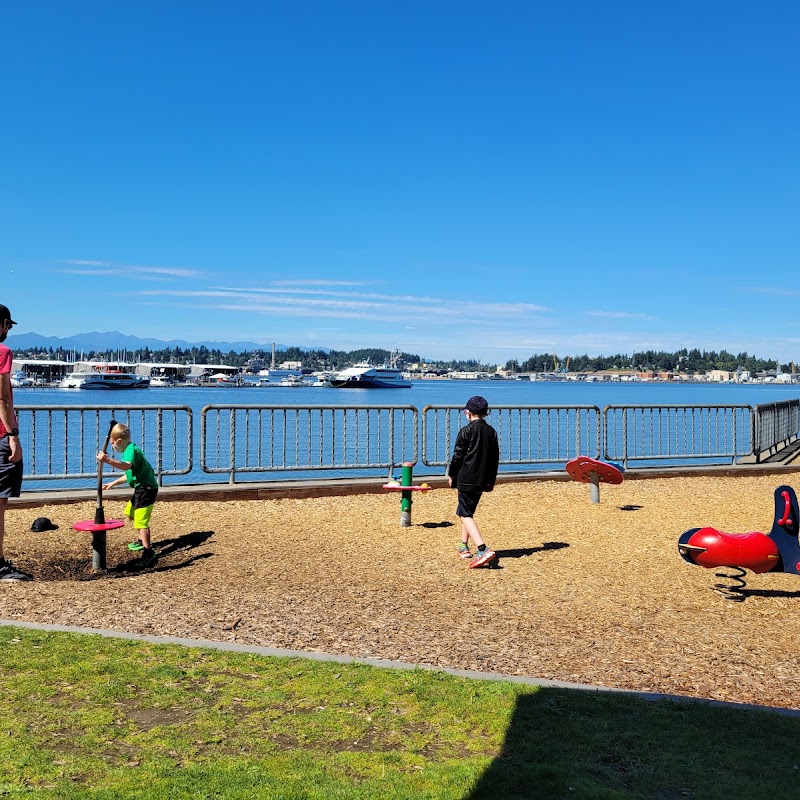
(73, 568)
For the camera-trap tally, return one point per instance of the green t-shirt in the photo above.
(140, 473)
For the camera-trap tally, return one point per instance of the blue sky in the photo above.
(458, 180)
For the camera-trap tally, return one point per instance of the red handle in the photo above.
(788, 507)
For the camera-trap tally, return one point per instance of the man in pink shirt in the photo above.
(10, 447)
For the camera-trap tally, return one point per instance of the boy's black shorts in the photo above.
(143, 496)
(467, 503)
(10, 471)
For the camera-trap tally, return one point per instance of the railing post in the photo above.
(232, 446)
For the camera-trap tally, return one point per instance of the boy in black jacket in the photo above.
(473, 470)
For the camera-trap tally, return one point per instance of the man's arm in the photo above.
(8, 416)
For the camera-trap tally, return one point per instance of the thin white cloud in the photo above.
(778, 291)
(87, 263)
(393, 298)
(322, 282)
(324, 303)
(114, 272)
(170, 272)
(130, 270)
(90, 272)
(621, 315)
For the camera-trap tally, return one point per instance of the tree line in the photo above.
(685, 360)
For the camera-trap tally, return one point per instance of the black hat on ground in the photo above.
(42, 524)
(477, 405)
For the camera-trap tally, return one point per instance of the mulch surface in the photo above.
(595, 594)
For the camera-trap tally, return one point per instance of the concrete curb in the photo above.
(277, 652)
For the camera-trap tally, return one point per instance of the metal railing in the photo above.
(641, 433)
(62, 442)
(242, 439)
(528, 435)
(776, 425)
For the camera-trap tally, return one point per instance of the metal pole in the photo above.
(98, 550)
(594, 488)
(405, 497)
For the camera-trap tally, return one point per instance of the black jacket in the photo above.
(476, 455)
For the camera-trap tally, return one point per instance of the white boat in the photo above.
(322, 379)
(277, 375)
(19, 380)
(104, 380)
(161, 380)
(293, 380)
(366, 376)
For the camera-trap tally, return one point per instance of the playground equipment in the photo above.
(99, 526)
(591, 471)
(405, 487)
(778, 551)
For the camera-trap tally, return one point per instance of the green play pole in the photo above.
(405, 499)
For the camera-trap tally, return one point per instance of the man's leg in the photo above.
(3, 504)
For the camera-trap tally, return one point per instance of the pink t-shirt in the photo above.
(6, 359)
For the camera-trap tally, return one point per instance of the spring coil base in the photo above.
(734, 589)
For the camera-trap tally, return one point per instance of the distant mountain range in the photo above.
(114, 341)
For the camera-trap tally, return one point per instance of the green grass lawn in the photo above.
(88, 717)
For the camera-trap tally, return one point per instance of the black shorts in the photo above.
(10, 471)
(467, 503)
(144, 496)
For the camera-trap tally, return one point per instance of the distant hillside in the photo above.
(114, 340)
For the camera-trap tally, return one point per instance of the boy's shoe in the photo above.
(136, 546)
(463, 550)
(482, 558)
(147, 559)
(8, 572)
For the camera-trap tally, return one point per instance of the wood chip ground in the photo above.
(594, 594)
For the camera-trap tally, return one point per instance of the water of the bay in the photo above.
(419, 395)
(422, 393)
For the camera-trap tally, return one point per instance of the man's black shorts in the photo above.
(467, 503)
(10, 471)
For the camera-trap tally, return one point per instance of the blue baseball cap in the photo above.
(477, 405)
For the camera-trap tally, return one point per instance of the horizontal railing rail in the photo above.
(658, 433)
(247, 439)
(528, 435)
(61, 442)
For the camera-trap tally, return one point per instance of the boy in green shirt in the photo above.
(138, 474)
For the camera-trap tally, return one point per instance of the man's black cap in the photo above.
(5, 314)
(42, 524)
(477, 405)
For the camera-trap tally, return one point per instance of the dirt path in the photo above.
(587, 593)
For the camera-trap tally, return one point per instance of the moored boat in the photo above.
(19, 380)
(293, 380)
(104, 380)
(367, 376)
